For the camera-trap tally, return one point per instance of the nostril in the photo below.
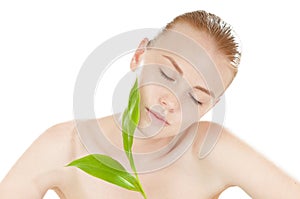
(163, 102)
(168, 104)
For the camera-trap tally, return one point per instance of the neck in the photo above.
(149, 153)
(142, 143)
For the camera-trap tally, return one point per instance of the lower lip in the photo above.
(153, 116)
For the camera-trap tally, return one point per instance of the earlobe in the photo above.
(138, 53)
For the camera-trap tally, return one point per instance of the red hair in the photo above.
(221, 32)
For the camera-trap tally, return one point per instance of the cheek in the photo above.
(189, 115)
(147, 92)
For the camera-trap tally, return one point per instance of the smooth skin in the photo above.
(231, 162)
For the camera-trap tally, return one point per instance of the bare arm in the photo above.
(39, 168)
(240, 165)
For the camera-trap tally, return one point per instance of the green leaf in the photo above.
(108, 169)
(130, 121)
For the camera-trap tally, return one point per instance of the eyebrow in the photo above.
(173, 62)
(176, 66)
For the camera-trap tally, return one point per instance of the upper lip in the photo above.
(158, 115)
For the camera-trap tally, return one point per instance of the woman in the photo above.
(189, 66)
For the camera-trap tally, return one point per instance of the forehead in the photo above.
(198, 65)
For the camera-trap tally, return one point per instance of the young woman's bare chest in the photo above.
(182, 179)
(187, 177)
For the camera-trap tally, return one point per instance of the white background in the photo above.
(43, 45)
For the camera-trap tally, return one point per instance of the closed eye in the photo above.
(196, 101)
(170, 79)
(165, 76)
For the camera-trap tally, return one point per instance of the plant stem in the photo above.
(143, 192)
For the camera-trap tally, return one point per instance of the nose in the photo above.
(169, 102)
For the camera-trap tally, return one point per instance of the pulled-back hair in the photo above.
(222, 33)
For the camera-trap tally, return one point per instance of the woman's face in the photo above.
(182, 78)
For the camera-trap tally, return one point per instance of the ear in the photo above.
(138, 54)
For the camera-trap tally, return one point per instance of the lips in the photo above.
(158, 116)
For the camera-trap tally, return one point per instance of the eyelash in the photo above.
(196, 101)
(165, 76)
(170, 79)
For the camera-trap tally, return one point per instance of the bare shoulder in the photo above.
(224, 151)
(211, 136)
(208, 136)
(239, 164)
(58, 141)
(42, 165)
(64, 136)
